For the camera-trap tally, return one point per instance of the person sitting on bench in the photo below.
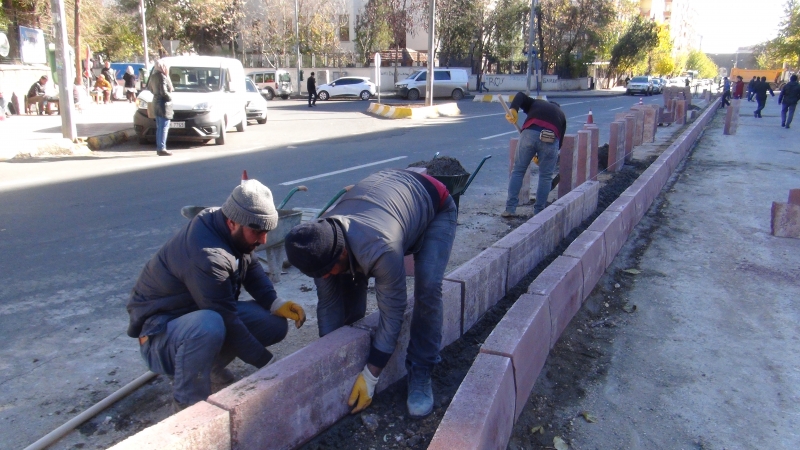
(36, 94)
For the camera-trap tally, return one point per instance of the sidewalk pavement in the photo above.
(32, 135)
(709, 359)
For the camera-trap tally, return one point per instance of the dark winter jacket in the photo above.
(160, 86)
(790, 93)
(311, 84)
(199, 268)
(761, 89)
(542, 114)
(383, 218)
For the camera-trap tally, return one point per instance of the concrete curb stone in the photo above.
(400, 112)
(562, 283)
(484, 281)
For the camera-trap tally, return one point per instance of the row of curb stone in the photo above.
(492, 395)
(404, 112)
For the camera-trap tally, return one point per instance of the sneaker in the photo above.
(221, 376)
(163, 153)
(420, 392)
(507, 214)
(783, 125)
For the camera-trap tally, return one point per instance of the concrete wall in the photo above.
(497, 83)
(17, 79)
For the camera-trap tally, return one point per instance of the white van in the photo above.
(446, 83)
(210, 96)
(272, 82)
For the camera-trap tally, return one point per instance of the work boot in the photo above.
(221, 375)
(420, 392)
(507, 214)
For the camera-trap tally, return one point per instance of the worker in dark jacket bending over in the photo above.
(382, 218)
(541, 136)
(185, 307)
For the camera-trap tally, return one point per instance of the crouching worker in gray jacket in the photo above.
(382, 218)
(185, 307)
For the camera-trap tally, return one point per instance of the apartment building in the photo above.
(681, 17)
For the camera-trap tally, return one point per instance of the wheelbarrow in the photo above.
(458, 184)
(273, 248)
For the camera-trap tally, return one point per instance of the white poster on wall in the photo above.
(32, 49)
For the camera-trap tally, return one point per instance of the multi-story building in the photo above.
(681, 17)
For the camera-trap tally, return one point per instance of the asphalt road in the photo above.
(75, 232)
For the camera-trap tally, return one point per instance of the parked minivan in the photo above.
(272, 82)
(210, 96)
(446, 83)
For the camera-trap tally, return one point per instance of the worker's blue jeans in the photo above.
(787, 113)
(343, 299)
(530, 146)
(162, 129)
(195, 342)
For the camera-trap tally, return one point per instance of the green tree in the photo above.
(785, 48)
(457, 25)
(640, 37)
(372, 33)
(699, 61)
(661, 60)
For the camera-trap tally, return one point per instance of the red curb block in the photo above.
(481, 415)
(201, 425)
(287, 403)
(525, 251)
(524, 336)
(562, 283)
(484, 278)
(590, 248)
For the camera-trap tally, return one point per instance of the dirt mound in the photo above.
(443, 165)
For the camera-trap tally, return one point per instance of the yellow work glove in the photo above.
(511, 116)
(536, 159)
(363, 390)
(289, 310)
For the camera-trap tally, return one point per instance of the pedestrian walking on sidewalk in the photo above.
(750, 92)
(738, 89)
(130, 84)
(185, 309)
(160, 108)
(726, 93)
(788, 98)
(542, 135)
(385, 216)
(761, 89)
(311, 86)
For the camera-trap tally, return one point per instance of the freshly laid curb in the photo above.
(531, 327)
(401, 112)
(109, 140)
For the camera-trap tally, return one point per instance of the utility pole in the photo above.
(297, 47)
(531, 41)
(143, 10)
(65, 105)
(431, 55)
(78, 69)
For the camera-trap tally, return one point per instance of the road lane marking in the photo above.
(349, 169)
(485, 115)
(616, 108)
(574, 103)
(498, 135)
(575, 117)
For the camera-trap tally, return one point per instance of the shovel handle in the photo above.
(508, 110)
(331, 202)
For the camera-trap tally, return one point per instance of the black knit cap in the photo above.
(315, 247)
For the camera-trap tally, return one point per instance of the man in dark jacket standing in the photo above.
(541, 136)
(382, 218)
(185, 307)
(311, 86)
(788, 98)
(761, 89)
(160, 107)
(750, 92)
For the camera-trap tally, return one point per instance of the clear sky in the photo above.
(729, 24)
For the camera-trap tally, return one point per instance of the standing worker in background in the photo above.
(788, 98)
(542, 135)
(160, 108)
(185, 307)
(761, 89)
(311, 86)
(384, 217)
(738, 88)
(726, 93)
(750, 92)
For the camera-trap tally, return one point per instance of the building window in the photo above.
(344, 27)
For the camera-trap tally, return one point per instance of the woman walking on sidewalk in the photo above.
(160, 107)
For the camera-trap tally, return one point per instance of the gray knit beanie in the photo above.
(251, 204)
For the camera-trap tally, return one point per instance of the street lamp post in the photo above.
(142, 10)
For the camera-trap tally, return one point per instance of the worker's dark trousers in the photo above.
(762, 102)
(193, 343)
